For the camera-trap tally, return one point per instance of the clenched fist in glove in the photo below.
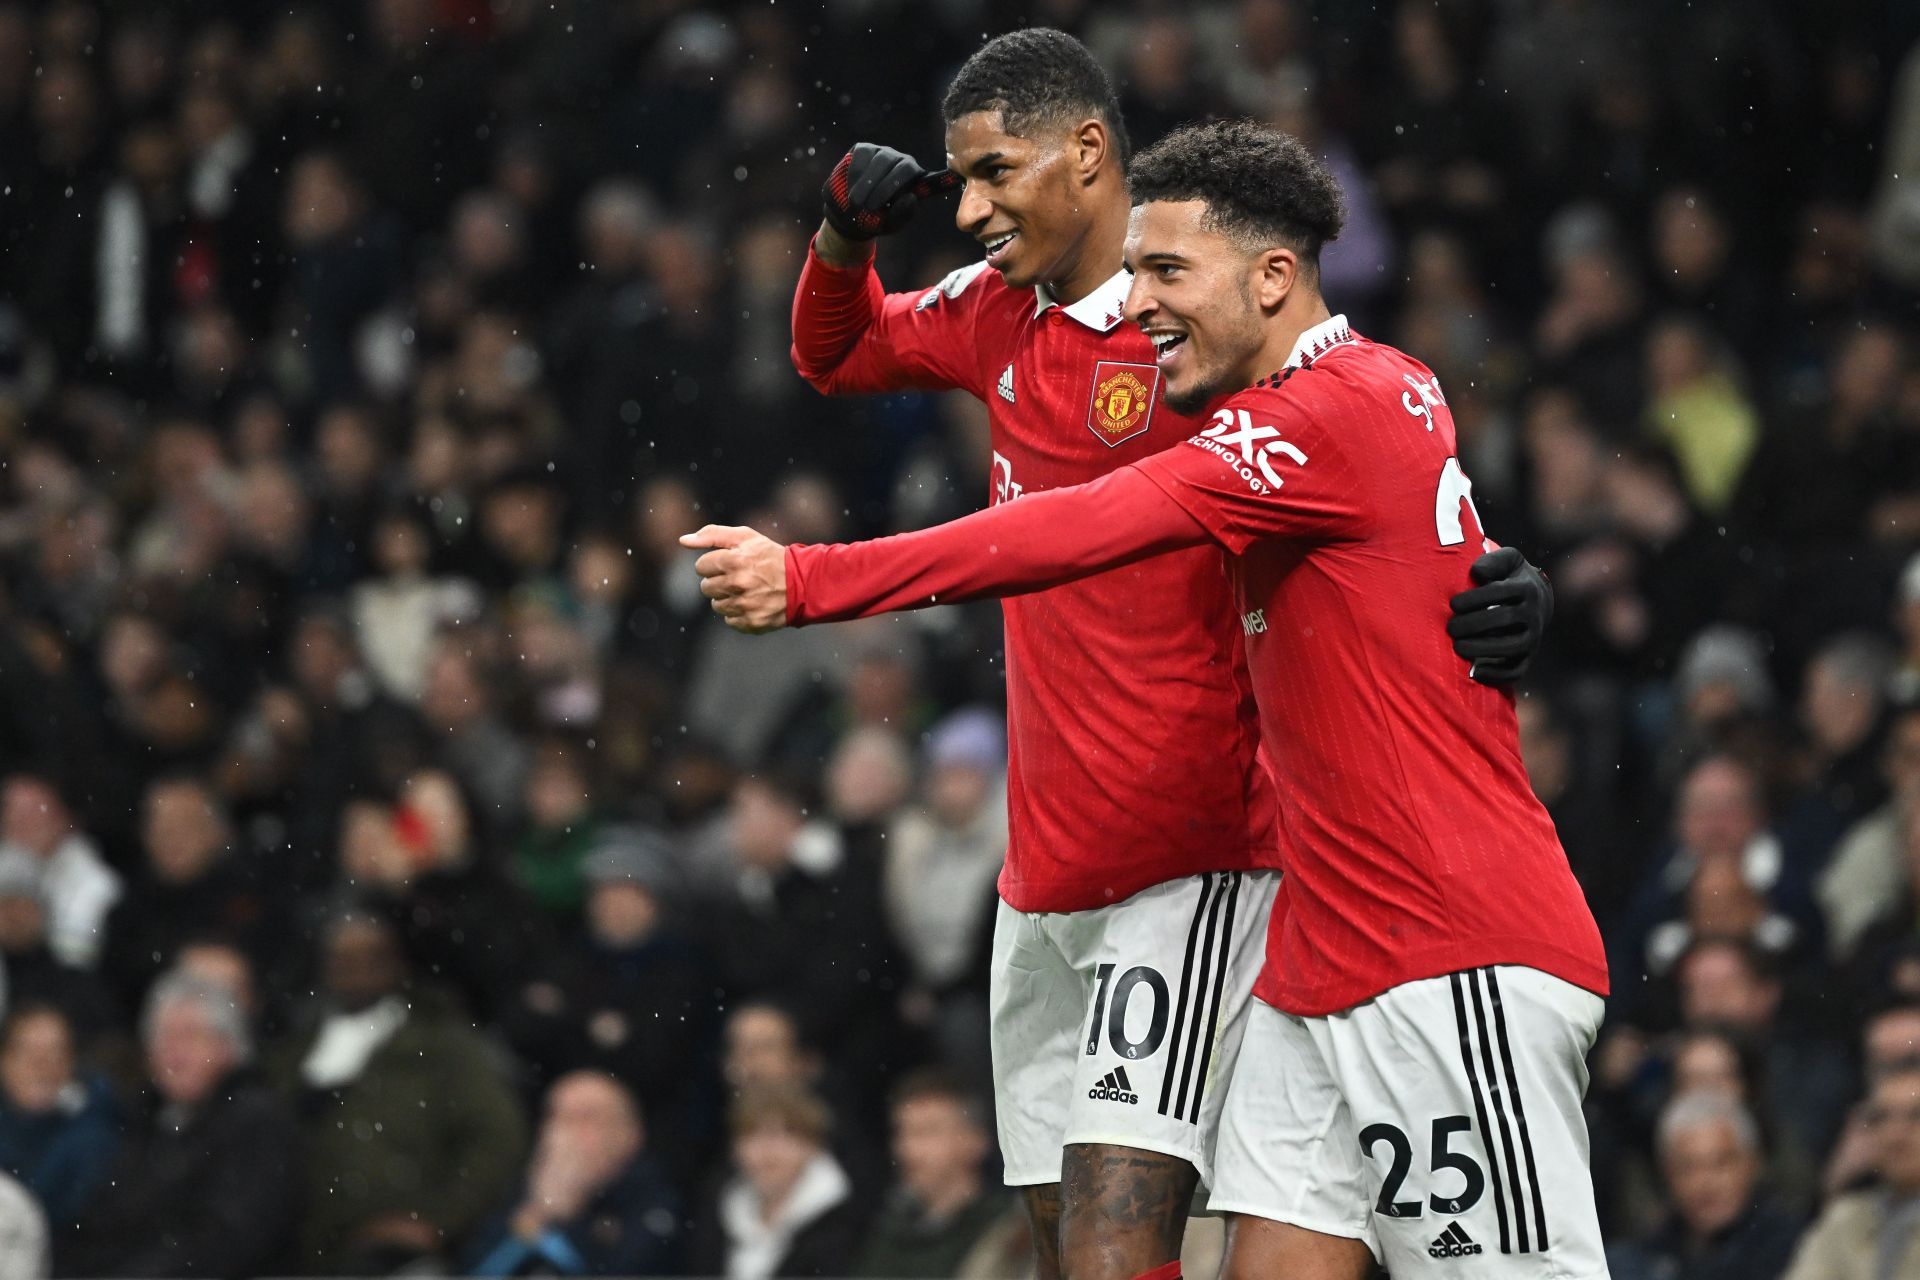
(873, 190)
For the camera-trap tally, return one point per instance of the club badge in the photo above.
(1122, 400)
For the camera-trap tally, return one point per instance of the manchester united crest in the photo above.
(1122, 400)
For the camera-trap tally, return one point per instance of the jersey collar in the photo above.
(1101, 309)
(1329, 333)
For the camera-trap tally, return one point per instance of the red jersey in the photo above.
(1132, 735)
(1415, 846)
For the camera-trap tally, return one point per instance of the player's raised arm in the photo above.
(1040, 541)
(849, 335)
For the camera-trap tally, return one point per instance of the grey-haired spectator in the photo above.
(209, 1181)
(1724, 1225)
(1722, 684)
(1842, 699)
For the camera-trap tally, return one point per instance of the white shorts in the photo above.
(1121, 1025)
(1440, 1122)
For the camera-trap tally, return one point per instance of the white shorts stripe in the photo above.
(1186, 979)
(1480, 1106)
(1213, 1003)
(1519, 1109)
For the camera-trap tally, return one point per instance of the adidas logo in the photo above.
(1006, 384)
(1115, 1087)
(1452, 1243)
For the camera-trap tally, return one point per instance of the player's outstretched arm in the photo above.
(1030, 544)
(849, 336)
(1498, 625)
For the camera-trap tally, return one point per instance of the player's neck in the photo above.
(1298, 314)
(1103, 251)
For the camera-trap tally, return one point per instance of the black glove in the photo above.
(873, 190)
(1497, 626)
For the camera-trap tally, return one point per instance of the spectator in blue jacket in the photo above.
(593, 1202)
(57, 1128)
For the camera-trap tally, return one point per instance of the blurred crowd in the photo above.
(400, 869)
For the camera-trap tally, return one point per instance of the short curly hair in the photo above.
(1261, 186)
(1037, 76)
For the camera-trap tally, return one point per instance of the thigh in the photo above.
(1465, 1093)
(1037, 1004)
(1170, 974)
(1261, 1249)
(1288, 1150)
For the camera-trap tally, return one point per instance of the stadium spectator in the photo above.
(208, 1183)
(594, 1201)
(1724, 1226)
(1727, 876)
(472, 741)
(943, 1217)
(815, 914)
(59, 1125)
(32, 974)
(1866, 875)
(79, 887)
(943, 857)
(1889, 1040)
(630, 997)
(192, 882)
(412, 1136)
(398, 610)
(1736, 990)
(786, 1207)
(1839, 780)
(561, 828)
(421, 862)
(868, 777)
(1870, 1233)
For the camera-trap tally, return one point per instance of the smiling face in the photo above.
(1198, 294)
(1025, 199)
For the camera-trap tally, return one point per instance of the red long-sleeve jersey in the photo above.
(1415, 845)
(1133, 745)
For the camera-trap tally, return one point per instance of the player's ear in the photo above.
(1276, 272)
(1092, 148)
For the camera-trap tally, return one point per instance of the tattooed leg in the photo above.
(1123, 1211)
(1043, 1218)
